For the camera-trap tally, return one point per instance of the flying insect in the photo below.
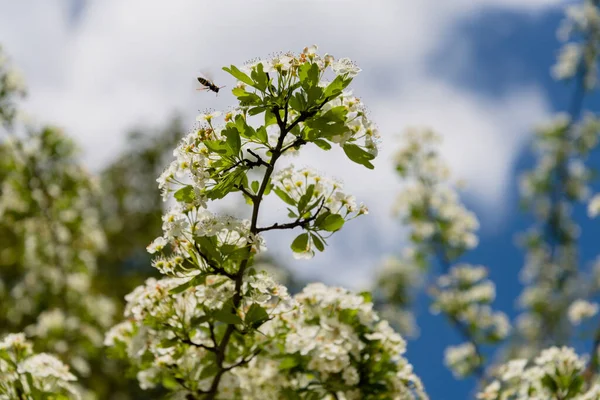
(208, 85)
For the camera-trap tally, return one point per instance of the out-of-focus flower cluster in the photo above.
(556, 373)
(559, 180)
(582, 27)
(26, 375)
(398, 280)
(465, 296)
(429, 205)
(51, 238)
(441, 230)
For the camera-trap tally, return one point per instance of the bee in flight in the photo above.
(209, 85)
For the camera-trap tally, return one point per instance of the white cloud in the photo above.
(134, 62)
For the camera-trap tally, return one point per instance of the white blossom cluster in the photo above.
(429, 205)
(558, 182)
(25, 375)
(462, 359)
(353, 126)
(305, 188)
(215, 327)
(192, 160)
(333, 343)
(557, 373)
(582, 26)
(296, 182)
(580, 310)
(465, 295)
(167, 334)
(51, 238)
(561, 143)
(183, 225)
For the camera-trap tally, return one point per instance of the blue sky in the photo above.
(477, 71)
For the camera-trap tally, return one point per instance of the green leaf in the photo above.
(195, 321)
(305, 198)
(318, 242)
(358, 155)
(366, 296)
(336, 87)
(289, 362)
(256, 316)
(256, 110)
(261, 134)
(239, 75)
(300, 244)
(227, 317)
(238, 92)
(183, 287)
(284, 196)
(217, 146)
(233, 139)
(208, 370)
(208, 247)
(260, 78)
(322, 144)
(226, 184)
(255, 186)
(249, 99)
(270, 117)
(268, 187)
(332, 223)
(185, 194)
(297, 102)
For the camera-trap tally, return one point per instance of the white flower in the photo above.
(344, 66)
(580, 310)
(461, 359)
(44, 365)
(157, 245)
(207, 117)
(594, 206)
